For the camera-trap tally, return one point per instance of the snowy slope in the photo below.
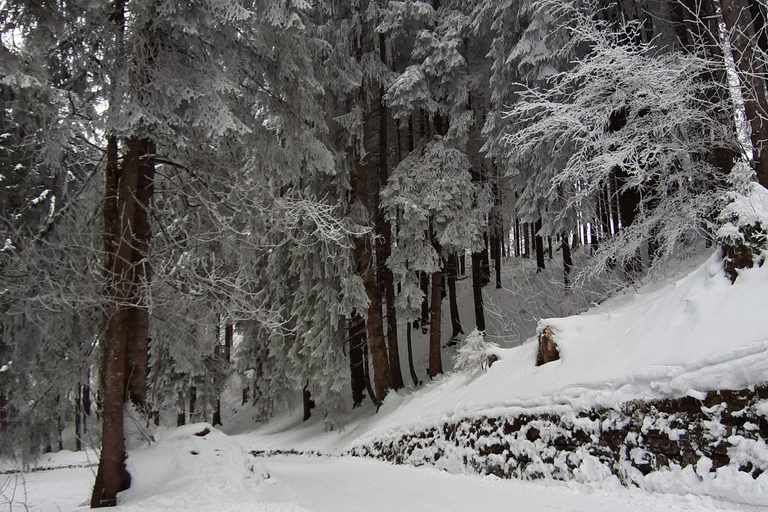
(691, 334)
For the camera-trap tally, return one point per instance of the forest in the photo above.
(289, 191)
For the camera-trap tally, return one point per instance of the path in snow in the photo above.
(329, 484)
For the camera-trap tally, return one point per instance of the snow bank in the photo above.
(191, 468)
(687, 336)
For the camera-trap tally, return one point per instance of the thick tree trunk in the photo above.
(463, 263)
(455, 321)
(435, 349)
(356, 361)
(365, 264)
(119, 210)
(137, 315)
(539, 247)
(477, 291)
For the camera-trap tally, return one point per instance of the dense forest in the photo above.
(272, 187)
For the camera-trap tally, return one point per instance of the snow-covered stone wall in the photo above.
(711, 443)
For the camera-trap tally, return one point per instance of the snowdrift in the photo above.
(191, 468)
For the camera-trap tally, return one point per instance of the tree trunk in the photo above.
(539, 247)
(367, 371)
(517, 236)
(435, 357)
(424, 303)
(485, 263)
(497, 257)
(356, 361)
(385, 229)
(455, 321)
(78, 419)
(463, 263)
(229, 339)
(119, 210)
(567, 262)
(192, 403)
(217, 414)
(415, 379)
(137, 315)
(477, 291)
(527, 251)
(308, 403)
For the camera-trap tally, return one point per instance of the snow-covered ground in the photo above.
(686, 335)
(168, 478)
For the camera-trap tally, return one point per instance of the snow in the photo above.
(683, 336)
(321, 484)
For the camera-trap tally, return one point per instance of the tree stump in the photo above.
(547, 348)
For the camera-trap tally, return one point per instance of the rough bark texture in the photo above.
(435, 356)
(455, 320)
(137, 315)
(119, 208)
(738, 19)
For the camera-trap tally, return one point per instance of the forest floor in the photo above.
(339, 484)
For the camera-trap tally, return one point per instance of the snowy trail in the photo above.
(329, 484)
(346, 484)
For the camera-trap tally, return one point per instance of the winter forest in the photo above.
(217, 211)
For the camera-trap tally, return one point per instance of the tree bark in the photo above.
(424, 303)
(385, 229)
(737, 19)
(229, 339)
(539, 247)
(414, 378)
(567, 261)
(308, 403)
(527, 252)
(366, 267)
(477, 291)
(452, 271)
(356, 361)
(497, 257)
(137, 315)
(119, 209)
(435, 356)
